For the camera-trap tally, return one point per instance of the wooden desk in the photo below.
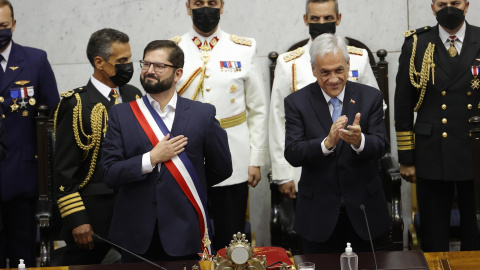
(459, 260)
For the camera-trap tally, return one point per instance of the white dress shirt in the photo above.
(167, 115)
(445, 37)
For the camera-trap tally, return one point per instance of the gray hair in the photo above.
(100, 43)
(322, 1)
(328, 43)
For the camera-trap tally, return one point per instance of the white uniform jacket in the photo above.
(232, 82)
(284, 84)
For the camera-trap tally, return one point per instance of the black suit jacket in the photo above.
(344, 173)
(72, 164)
(442, 147)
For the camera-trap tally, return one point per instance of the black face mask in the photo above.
(5, 37)
(206, 18)
(316, 29)
(450, 17)
(123, 73)
(158, 87)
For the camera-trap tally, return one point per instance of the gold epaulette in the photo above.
(67, 94)
(241, 40)
(410, 32)
(405, 140)
(176, 39)
(70, 204)
(354, 50)
(292, 55)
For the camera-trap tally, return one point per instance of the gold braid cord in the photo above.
(200, 84)
(98, 118)
(420, 79)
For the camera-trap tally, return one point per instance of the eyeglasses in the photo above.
(158, 67)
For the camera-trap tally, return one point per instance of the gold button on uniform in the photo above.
(207, 75)
(444, 120)
(469, 106)
(469, 93)
(2, 99)
(444, 93)
(444, 107)
(444, 135)
(3, 116)
(208, 89)
(233, 100)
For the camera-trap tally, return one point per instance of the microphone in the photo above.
(369, 235)
(97, 237)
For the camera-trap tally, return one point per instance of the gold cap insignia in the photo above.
(22, 83)
(13, 68)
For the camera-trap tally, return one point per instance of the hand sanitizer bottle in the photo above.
(21, 265)
(349, 260)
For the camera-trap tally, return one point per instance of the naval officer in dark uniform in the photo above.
(437, 78)
(26, 80)
(85, 203)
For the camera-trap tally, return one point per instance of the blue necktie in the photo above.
(337, 110)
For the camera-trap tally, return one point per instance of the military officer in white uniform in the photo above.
(293, 72)
(222, 69)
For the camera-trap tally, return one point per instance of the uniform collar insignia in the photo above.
(13, 68)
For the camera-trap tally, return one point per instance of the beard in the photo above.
(158, 87)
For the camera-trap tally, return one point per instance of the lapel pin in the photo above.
(352, 101)
(13, 68)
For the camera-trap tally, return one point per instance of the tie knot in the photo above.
(113, 92)
(335, 102)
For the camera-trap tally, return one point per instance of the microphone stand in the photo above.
(96, 236)
(369, 235)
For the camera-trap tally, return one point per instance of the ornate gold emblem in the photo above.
(475, 83)
(240, 256)
(62, 189)
(22, 82)
(67, 94)
(13, 68)
(233, 89)
(25, 113)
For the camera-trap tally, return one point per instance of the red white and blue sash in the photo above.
(179, 166)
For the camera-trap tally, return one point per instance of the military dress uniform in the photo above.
(222, 70)
(26, 81)
(292, 73)
(82, 197)
(444, 93)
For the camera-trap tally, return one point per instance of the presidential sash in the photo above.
(179, 166)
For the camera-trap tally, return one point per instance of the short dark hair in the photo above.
(7, 3)
(100, 43)
(176, 56)
(321, 1)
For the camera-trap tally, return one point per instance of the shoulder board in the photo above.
(70, 93)
(241, 40)
(354, 50)
(176, 39)
(292, 55)
(416, 31)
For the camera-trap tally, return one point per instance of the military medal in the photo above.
(23, 95)
(15, 93)
(475, 81)
(353, 75)
(30, 93)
